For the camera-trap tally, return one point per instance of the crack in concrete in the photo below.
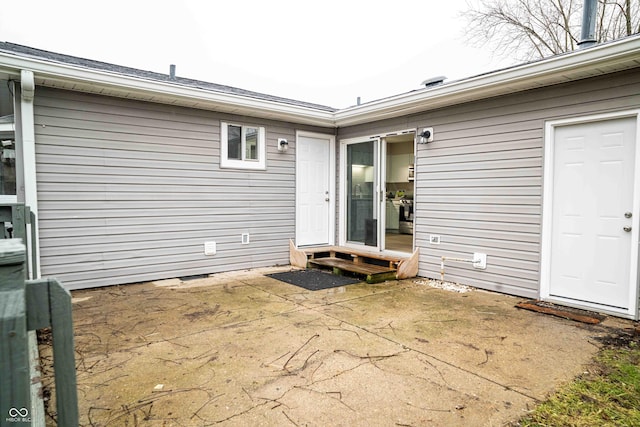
(475, 374)
(310, 370)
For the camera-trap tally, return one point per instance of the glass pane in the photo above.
(8, 168)
(251, 144)
(362, 225)
(234, 142)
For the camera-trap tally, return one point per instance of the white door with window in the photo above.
(315, 184)
(592, 240)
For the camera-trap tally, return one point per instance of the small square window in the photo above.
(242, 147)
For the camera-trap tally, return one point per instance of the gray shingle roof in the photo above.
(30, 52)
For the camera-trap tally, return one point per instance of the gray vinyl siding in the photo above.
(130, 191)
(479, 184)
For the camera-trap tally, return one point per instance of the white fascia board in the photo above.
(624, 53)
(65, 73)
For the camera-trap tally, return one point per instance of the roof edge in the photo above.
(50, 73)
(596, 60)
(545, 72)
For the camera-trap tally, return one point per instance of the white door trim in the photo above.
(332, 182)
(545, 259)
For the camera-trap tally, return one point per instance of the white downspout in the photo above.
(27, 129)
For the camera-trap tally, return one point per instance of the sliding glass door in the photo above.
(362, 193)
(377, 189)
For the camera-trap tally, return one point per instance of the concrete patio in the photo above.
(244, 349)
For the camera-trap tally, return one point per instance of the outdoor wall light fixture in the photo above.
(283, 144)
(426, 136)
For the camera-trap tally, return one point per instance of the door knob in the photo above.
(628, 214)
(627, 229)
(326, 200)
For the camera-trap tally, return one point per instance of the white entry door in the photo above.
(314, 189)
(594, 225)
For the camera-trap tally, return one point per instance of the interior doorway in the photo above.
(399, 192)
(377, 207)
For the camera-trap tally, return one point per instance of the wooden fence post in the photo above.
(28, 306)
(49, 304)
(15, 398)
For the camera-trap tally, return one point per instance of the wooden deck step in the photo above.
(350, 266)
(373, 273)
(374, 265)
(356, 254)
(368, 260)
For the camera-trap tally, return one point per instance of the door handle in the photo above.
(627, 229)
(326, 200)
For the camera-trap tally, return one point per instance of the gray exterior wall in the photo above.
(130, 191)
(479, 184)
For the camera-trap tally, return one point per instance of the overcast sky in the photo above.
(328, 52)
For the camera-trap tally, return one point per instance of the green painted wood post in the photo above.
(64, 364)
(49, 304)
(15, 384)
(29, 306)
(20, 215)
(32, 250)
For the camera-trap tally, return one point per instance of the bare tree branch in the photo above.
(533, 29)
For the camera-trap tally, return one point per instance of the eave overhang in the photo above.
(597, 60)
(69, 77)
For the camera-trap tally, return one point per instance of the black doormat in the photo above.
(313, 280)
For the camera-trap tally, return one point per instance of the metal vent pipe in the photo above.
(589, 15)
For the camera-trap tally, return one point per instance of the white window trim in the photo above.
(226, 163)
